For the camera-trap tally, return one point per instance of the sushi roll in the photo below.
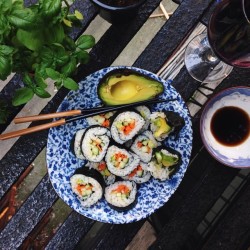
(126, 125)
(102, 119)
(145, 113)
(121, 195)
(108, 177)
(76, 144)
(121, 162)
(164, 163)
(95, 143)
(164, 123)
(88, 185)
(139, 174)
(143, 146)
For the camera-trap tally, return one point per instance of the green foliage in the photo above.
(34, 42)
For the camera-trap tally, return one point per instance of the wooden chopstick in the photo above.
(104, 109)
(77, 117)
(46, 116)
(32, 129)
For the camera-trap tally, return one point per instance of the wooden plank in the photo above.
(171, 34)
(233, 230)
(118, 235)
(29, 214)
(70, 233)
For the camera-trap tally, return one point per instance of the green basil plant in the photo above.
(35, 42)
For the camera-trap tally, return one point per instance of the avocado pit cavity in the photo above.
(124, 90)
(122, 86)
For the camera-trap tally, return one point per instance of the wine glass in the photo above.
(226, 44)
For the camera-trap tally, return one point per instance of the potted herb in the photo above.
(118, 11)
(35, 42)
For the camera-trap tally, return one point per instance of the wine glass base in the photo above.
(201, 62)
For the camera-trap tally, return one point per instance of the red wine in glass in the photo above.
(229, 32)
(211, 57)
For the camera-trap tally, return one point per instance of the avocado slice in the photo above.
(124, 86)
(162, 127)
(169, 160)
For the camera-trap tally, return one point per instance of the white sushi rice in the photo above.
(118, 135)
(77, 144)
(95, 133)
(145, 113)
(119, 200)
(97, 190)
(133, 161)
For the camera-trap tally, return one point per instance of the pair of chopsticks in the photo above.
(74, 115)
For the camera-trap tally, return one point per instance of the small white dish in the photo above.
(237, 156)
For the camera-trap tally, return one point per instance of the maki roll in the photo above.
(143, 146)
(87, 184)
(95, 143)
(102, 168)
(120, 162)
(164, 123)
(76, 144)
(126, 125)
(139, 174)
(121, 195)
(164, 163)
(145, 113)
(102, 119)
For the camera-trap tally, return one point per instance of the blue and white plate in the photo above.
(233, 156)
(62, 163)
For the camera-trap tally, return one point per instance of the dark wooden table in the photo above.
(200, 215)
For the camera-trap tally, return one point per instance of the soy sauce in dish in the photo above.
(230, 126)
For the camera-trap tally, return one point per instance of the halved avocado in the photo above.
(122, 86)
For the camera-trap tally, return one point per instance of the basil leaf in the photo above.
(32, 40)
(41, 92)
(23, 19)
(22, 96)
(54, 34)
(5, 5)
(54, 75)
(46, 55)
(70, 84)
(69, 43)
(85, 42)
(69, 68)
(40, 81)
(82, 56)
(50, 8)
(5, 66)
(27, 80)
(60, 55)
(6, 50)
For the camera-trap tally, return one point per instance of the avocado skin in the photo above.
(143, 81)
